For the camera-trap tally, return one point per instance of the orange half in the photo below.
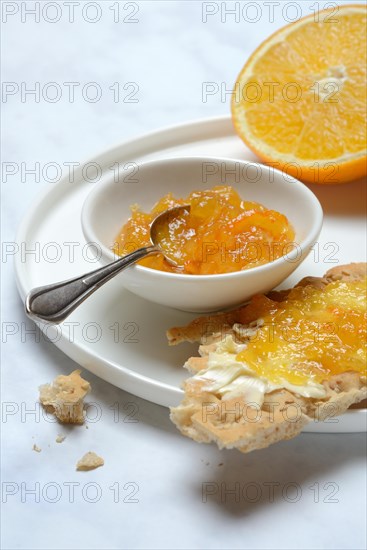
(300, 101)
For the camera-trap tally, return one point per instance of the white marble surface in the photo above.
(182, 497)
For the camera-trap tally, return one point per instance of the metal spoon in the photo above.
(53, 303)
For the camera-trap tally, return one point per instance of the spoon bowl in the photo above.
(158, 226)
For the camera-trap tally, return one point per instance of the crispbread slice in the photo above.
(233, 423)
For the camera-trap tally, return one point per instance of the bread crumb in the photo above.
(89, 461)
(64, 397)
(60, 438)
(36, 448)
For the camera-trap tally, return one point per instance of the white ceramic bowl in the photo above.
(108, 207)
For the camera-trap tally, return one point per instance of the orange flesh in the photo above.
(300, 100)
(313, 334)
(221, 234)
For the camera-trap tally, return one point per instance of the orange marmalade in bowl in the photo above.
(221, 234)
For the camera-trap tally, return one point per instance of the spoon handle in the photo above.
(53, 303)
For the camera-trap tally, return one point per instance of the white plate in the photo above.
(121, 337)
